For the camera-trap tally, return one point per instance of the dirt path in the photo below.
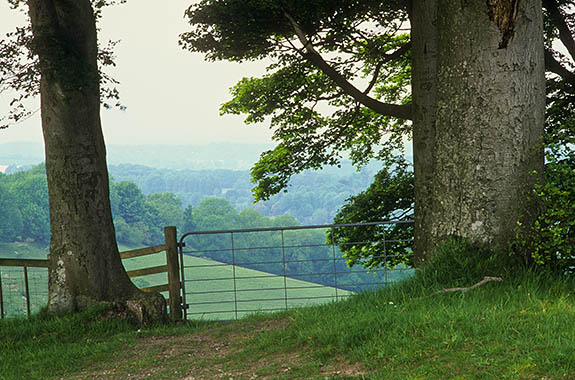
(220, 352)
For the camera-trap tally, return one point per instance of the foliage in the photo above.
(314, 113)
(24, 206)
(10, 216)
(20, 76)
(389, 197)
(139, 220)
(140, 211)
(318, 49)
(313, 197)
(307, 256)
(551, 240)
(189, 224)
(314, 119)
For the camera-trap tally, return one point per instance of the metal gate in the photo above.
(226, 274)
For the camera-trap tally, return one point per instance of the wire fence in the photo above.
(24, 282)
(23, 291)
(228, 274)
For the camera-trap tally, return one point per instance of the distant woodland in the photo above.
(312, 197)
(145, 199)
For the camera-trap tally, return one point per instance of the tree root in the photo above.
(143, 308)
(485, 280)
(148, 308)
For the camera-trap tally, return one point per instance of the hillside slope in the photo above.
(520, 328)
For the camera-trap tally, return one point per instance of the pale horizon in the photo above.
(172, 96)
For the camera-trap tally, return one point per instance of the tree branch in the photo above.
(386, 58)
(331, 97)
(485, 280)
(308, 52)
(559, 21)
(374, 78)
(551, 64)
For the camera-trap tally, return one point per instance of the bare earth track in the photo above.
(215, 353)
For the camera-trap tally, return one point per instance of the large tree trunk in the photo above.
(423, 17)
(85, 263)
(486, 129)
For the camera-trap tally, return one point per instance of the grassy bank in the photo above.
(520, 328)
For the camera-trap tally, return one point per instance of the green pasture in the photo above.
(23, 251)
(212, 292)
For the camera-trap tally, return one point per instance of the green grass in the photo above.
(44, 347)
(521, 328)
(13, 288)
(23, 251)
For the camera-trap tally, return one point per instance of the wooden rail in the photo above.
(172, 267)
(142, 251)
(26, 263)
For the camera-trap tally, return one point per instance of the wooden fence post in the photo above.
(1, 298)
(27, 291)
(175, 302)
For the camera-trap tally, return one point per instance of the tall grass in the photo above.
(520, 329)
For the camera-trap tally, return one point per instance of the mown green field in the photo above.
(212, 292)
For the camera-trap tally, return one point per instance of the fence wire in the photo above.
(231, 273)
(227, 274)
(23, 291)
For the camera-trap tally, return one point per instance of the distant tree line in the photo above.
(139, 220)
(24, 212)
(313, 197)
(144, 199)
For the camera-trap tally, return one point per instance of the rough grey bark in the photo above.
(423, 18)
(85, 263)
(490, 114)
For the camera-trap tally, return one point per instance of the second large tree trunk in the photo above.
(487, 130)
(85, 263)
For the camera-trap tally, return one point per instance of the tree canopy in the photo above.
(20, 74)
(304, 94)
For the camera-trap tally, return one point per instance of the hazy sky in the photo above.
(172, 96)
